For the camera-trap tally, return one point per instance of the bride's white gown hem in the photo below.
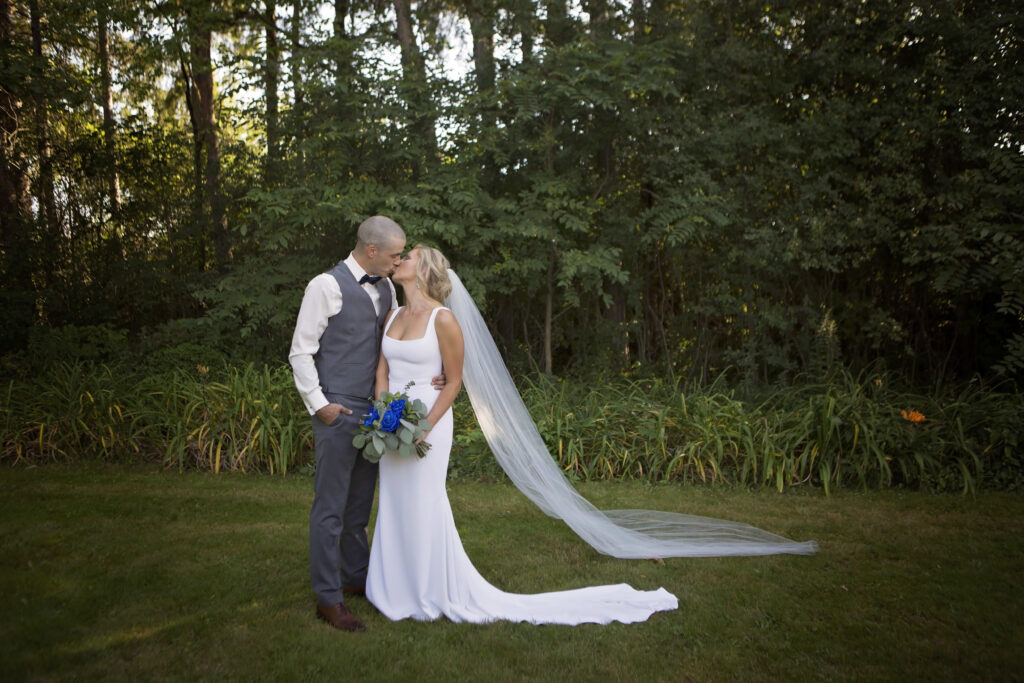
(418, 567)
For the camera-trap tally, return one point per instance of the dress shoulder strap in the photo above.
(388, 326)
(433, 317)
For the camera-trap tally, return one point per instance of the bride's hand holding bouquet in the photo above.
(394, 423)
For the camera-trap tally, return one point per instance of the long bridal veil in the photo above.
(519, 449)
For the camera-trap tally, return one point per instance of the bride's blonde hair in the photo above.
(432, 272)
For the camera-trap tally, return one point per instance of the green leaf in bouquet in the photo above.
(425, 424)
(419, 406)
(405, 436)
(359, 440)
(371, 455)
(405, 423)
(391, 441)
(378, 444)
(406, 450)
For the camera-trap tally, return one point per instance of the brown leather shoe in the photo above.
(354, 590)
(339, 617)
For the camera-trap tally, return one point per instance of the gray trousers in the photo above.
(339, 552)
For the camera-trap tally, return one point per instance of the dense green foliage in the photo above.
(844, 432)
(673, 189)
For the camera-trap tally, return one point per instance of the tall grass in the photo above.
(844, 432)
(226, 419)
(75, 411)
(247, 419)
(847, 431)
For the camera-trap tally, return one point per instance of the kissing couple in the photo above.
(351, 342)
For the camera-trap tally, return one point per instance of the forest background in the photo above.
(801, 220)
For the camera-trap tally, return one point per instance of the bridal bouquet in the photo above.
(394, 423)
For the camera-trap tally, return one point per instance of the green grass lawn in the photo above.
(127, 574)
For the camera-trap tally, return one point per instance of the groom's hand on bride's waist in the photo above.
(439, 382)
(330, 412)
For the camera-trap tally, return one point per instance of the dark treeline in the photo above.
(651, 187)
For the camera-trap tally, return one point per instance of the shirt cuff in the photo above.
(315, 401)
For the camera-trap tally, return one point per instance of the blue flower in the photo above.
(368, 422)
(389, 422)
(397, 406)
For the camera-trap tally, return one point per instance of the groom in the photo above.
(334, 357)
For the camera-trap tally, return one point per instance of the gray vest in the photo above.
(349, 347)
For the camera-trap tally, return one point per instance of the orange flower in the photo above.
(912, 416)
(202, 369)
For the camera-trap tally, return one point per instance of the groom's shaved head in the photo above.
(380, 231)
(379, 245)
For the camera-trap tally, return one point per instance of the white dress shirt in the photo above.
(321, 301)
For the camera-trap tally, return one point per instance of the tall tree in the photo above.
(523, 17)
(13, 179)
(113, 181)
(638, 15)
(271, 75)
(45, 194)
(298, 88)
(481, 26)
(200, 16)
(199, 211)
(414, 83)
(604, 118)
(342, 48)
(15, 218)
(558, 27)
(481, 15)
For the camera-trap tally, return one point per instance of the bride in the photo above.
(418, 567)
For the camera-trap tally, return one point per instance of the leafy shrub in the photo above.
(842, 431)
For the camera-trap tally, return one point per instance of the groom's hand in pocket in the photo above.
(330, 412)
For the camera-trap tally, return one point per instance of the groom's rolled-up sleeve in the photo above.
(321, 300)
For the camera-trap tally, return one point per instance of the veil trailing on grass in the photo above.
(519, 449)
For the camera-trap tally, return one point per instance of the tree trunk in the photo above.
(299, 103)
(558, 26)
(343, 58)
(414, 80)
(14, 205)
(15, 225)
(604, 119)
(44, 186)
(197, 171)
(481, 25)
(600, 27)
(272, 70)
(202, 75)
(524, 21)
(113, 180)
(549, 311)
(639, 20)
(656, 18)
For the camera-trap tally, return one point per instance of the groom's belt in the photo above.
(346, 400)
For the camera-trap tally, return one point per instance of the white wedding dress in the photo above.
(418, 567)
